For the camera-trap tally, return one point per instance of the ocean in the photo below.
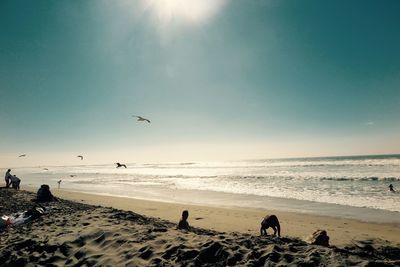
(355, 187)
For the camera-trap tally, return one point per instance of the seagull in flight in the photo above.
(139, 118)
(80, 157)
(119, 165)
(21, 156)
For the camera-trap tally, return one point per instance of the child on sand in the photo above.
(15, 181)
(183, 224)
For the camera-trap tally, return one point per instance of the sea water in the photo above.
(300, 184)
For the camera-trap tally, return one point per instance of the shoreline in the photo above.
(232, 200)
(342, 231)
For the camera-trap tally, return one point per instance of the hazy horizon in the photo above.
(219, 80)
(91, 162)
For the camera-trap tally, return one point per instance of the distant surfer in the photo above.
(391, 188)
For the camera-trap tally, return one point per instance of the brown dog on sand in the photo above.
(270, 221)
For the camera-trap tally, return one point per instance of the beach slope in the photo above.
(76, 234)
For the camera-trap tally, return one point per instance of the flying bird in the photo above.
(80, 157)
(119, 165)
(139, 118)
(21, 156)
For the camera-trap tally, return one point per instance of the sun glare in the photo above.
(192, 11)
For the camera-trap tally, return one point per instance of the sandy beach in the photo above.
(199, 133)
(128, 232)
(245, 220)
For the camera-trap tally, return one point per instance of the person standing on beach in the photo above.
(7, 178)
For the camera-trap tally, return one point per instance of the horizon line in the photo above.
(197, 161)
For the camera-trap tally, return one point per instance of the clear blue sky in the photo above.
(219, 79)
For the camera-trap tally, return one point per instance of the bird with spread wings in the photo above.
(119, 165)
(140, 118)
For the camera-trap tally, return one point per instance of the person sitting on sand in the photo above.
(15, 182)
(320, 238)
(44, 194)
(391, 189)
(7, 178)
(270, 221)
(183, 224)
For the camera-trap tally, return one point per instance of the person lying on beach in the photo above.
(270, 221)
(15, 182)
(391, 189)
(7, 178)
(183, 224)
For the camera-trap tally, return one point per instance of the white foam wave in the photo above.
(358, 181)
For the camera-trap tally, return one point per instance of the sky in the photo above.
(219, 80)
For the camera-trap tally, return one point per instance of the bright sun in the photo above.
(193, 11)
